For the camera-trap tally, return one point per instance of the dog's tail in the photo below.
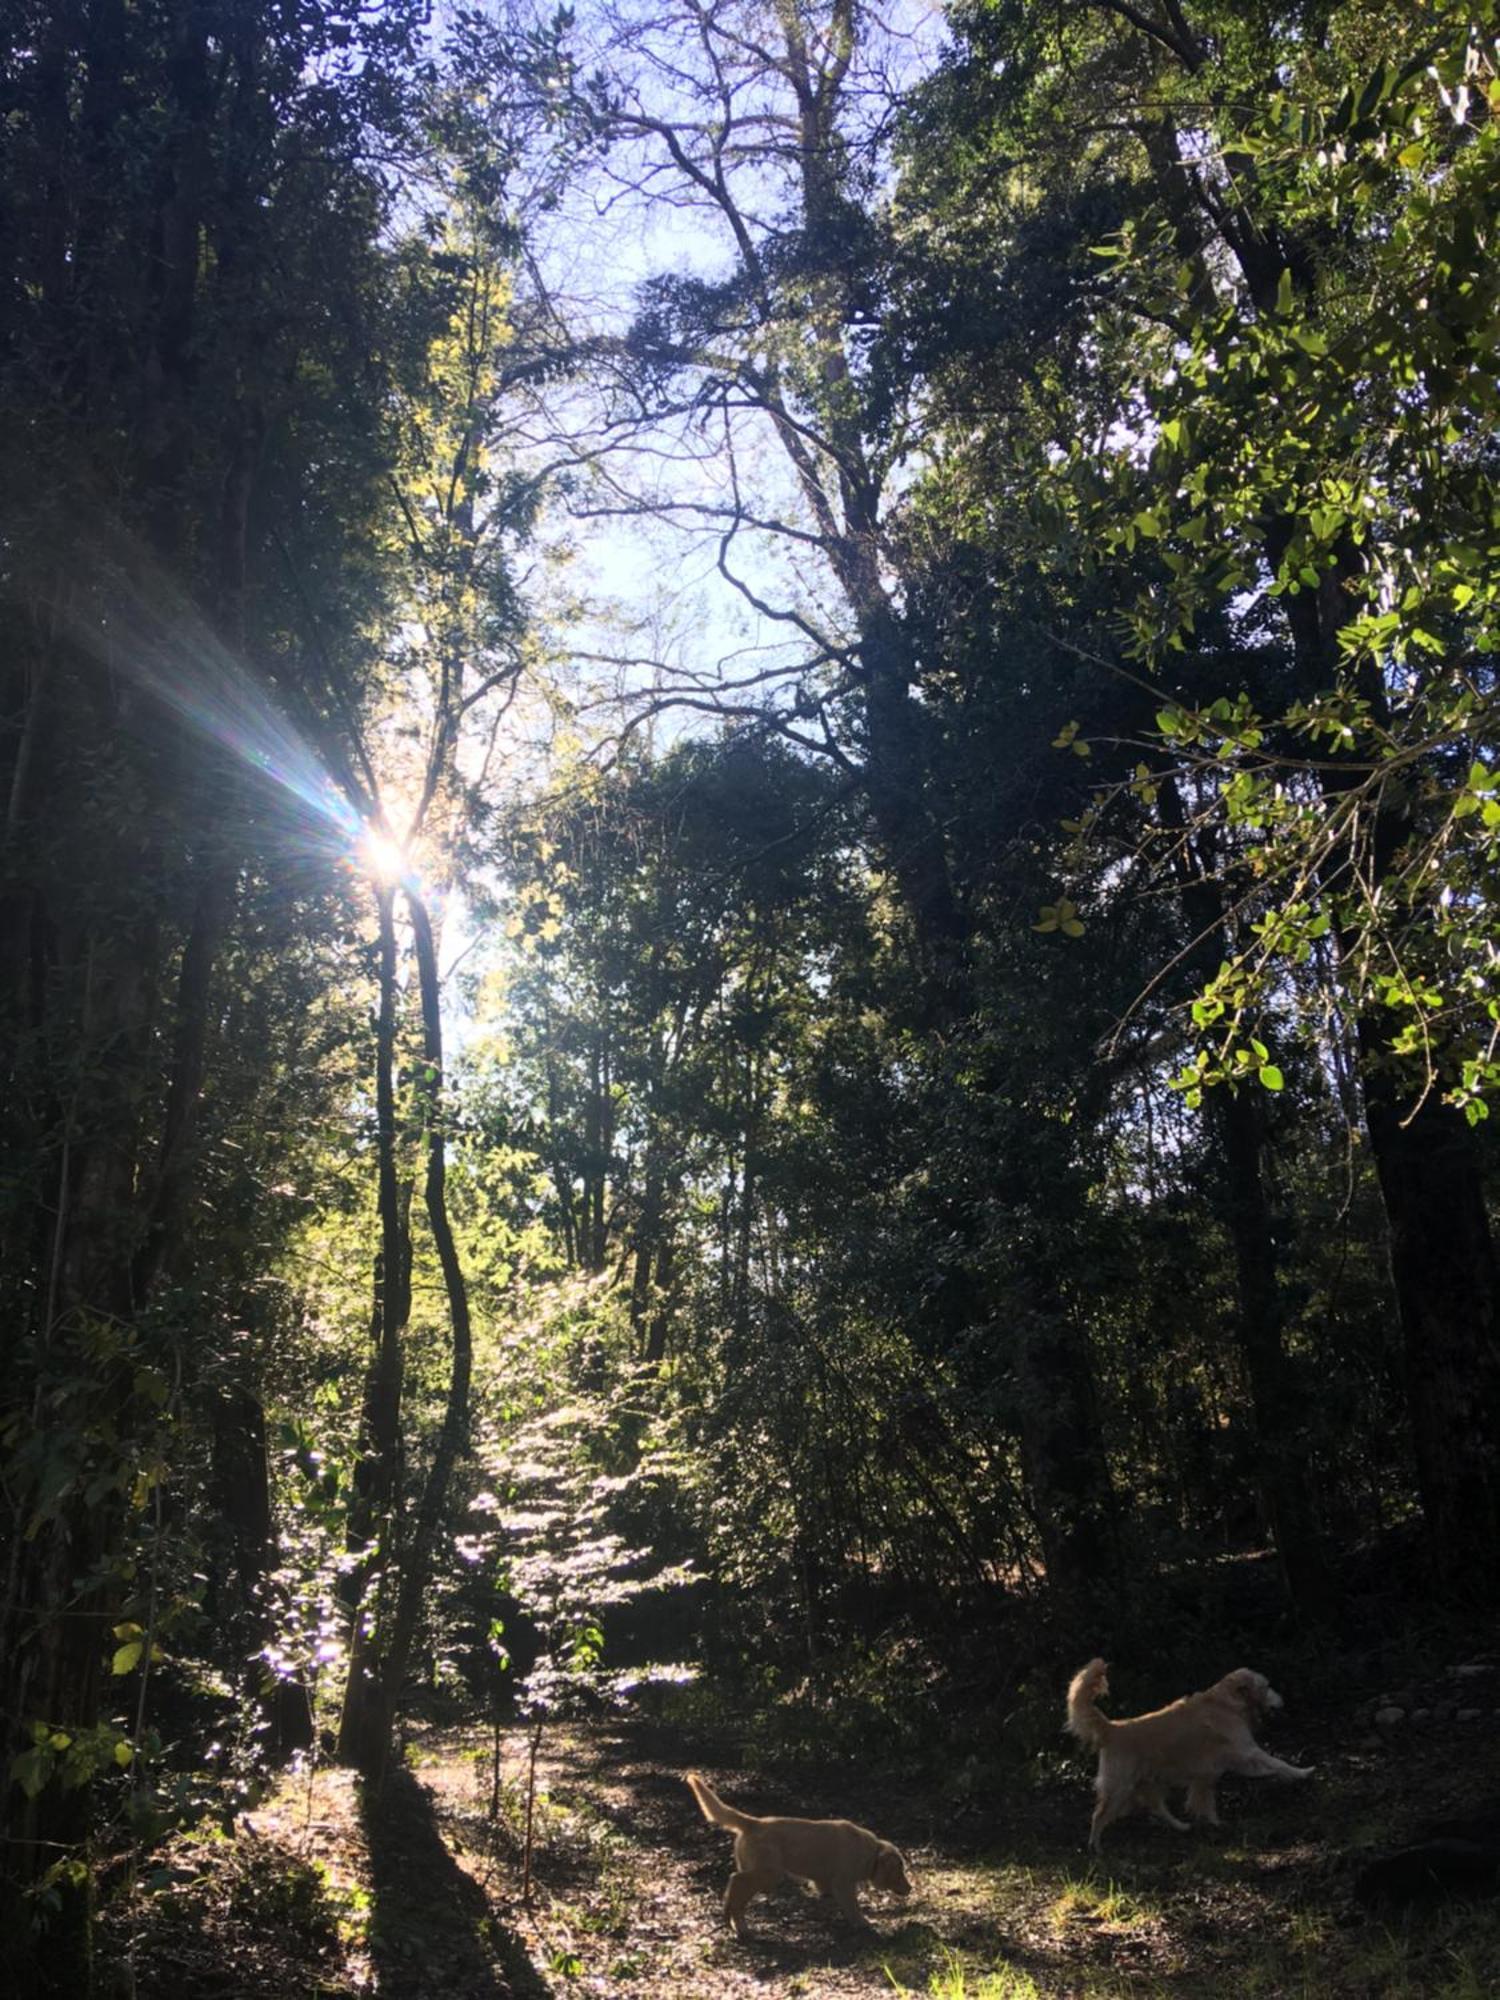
(1084, 1718)
(713, 1807)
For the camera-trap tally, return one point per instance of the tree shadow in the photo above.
(432, 1927)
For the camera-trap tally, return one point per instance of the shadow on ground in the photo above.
(432, 1929)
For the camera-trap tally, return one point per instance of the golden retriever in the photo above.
(1193, 1742)
(833, 1854)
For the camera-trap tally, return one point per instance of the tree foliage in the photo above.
(965, 1086)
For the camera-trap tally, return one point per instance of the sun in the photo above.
(383, 858)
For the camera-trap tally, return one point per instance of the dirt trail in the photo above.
(418, 1897)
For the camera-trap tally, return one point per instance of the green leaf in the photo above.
(127, 1657)
(1373, 92)
(31, 1770)
(153, 1385)
(1271, 1076)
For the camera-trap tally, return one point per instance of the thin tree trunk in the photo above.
(1278, 1410)
(1062, 1454)
(645, 1247)
(661, 1318)
(372, 1515)
(211, 910)
(237, 1601)
(417, 1557)
(1443, 1267)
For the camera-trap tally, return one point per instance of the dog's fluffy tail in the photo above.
(1084, 1718)
(713, 1807)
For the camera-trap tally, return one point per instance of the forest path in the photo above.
(418, 1895)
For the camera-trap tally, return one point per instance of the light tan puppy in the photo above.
(1194, 1742)
(834, 1855)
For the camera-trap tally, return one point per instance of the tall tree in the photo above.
(1243, 211)
(198, 300)
(756, 380)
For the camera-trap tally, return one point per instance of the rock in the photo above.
(1388, 1717)
(1474, 1667)
(1469, 1714)
(1421, 1717)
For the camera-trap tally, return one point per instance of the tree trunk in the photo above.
(661, 1319)
(1280, 1454)
(1441, 1248)
(1062, 1454)
(417, 1557)
(1277, 1405)
(647, 1233)
(1443, 1267)
(372, 1515)
(237, 1600)
(211, 911)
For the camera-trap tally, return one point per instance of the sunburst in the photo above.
(383, 858)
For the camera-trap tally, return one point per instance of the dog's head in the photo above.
(889, 1872)
(1254, 1690)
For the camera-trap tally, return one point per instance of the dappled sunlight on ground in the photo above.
(418, 1893)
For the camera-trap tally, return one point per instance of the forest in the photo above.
(750, 755)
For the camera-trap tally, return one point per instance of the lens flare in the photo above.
(138, 624)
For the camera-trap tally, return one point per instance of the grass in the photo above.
(953, 1981)
(1098, 1902)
